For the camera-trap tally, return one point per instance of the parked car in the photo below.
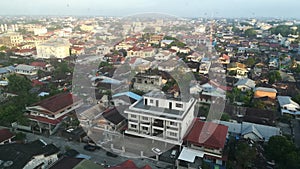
(111, 154)
(90, 147)
(173, 153)
(156, 151)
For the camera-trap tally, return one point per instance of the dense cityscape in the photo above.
(149, 91)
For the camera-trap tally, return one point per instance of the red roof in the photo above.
(129, 164)
(207, 134)
(146, 167)
(38, 64)
(57, 102)
(36, 83)
(5, 134)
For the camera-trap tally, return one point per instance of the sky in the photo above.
(181, 8)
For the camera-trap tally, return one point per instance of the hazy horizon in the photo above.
(181, 8)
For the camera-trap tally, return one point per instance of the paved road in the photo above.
(98, 156)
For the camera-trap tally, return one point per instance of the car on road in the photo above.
(108, 153)
(90, 147)
(173, 153)
(156, 151)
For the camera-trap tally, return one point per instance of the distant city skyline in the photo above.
(181, 8)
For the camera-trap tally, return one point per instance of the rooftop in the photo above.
(20, 154)
(5, 134)
(162, 112)
(207, 134)
(57, 102)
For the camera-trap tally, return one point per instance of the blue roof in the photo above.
(111, 81)
(6, 69)
(83, 156)
(128, 94)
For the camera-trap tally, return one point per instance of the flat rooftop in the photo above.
(140, 108)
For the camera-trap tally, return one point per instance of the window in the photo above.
(144, 118)
(133, 116)
(151, 101)
(173, 134)
(156, 103)
(145, 128)
(133, 126)
(179, 105)
(172, 123)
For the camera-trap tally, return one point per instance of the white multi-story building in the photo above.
(54, 48)
(161, 118)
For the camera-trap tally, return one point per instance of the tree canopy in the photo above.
(250, 33)
(18, 84)
(284, 30)
(284, 152)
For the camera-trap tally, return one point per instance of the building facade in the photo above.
(54, 48)
(160, 118)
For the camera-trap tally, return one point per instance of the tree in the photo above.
(18, 84)
(296, 98)
(250, 62)
(284, 30)
(283, 151)
(244, 154)
(225, 117)
(250, 33)
(274, 76)
(61, 70)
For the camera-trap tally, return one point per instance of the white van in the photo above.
(173, 154)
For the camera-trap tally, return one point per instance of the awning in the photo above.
(189, 155)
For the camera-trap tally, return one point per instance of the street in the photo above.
(98, 156)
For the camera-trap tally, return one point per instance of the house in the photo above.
(140, 64)
(255, 132)
(53, 48)
(26, 70)
(168, 65)
(288, 106)
(11, 39)
(245, 84)
(125, 98)
(141, 52)
(273, 63)
(155, 39)
(164, 43)
(260, 92)
(36, 154)
(204, 66)
(6, 136)
(47, 115)
(239, 69)
(110, 122)
(160, 117)
(224, 59)
(211, 90)
(42, 66)
(204, 141)
(192, 66)
(195, 56)
(163, 55)
(146, 82)
(6, 71)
